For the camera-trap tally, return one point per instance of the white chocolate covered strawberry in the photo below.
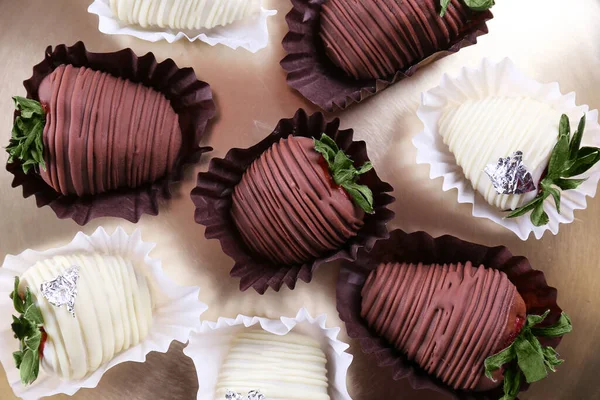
(516, 152)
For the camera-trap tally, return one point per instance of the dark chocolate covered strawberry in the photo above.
(300, 200)
(92, 132)
(374, 39)
(465, 325)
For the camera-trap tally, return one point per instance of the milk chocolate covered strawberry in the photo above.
(300, 200)
(372, 39)
(92, 132)
(303, 196)
(466, 325)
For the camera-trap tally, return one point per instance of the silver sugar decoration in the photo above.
(252, 395)
(62, 291)
(510, 175)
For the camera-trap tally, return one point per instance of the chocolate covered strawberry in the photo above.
(299, 200)
(92, 132)
(463, 324)
(372, 39)
(509, 150)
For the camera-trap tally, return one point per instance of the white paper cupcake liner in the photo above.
(176, 314)
(501, 79)
(251, 33)
(210, 345)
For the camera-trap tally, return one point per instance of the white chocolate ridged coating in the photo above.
(113, 312)
(183, 14)
(288, 367)
(479, 132)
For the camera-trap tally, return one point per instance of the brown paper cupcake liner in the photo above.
(212, 198)
(312, 74)
(191, 99)
(420, 247)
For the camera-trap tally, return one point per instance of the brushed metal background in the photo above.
(551, 40)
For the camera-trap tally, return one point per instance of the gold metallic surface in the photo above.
(550, 40)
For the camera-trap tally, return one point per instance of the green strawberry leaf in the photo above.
(18, 303)
(526, 208)
(564, 126)
(533, 361)
(365, 168)
(327, 147)
(495, 362)
(576, 140)
(560, 155)
(34, 315)
(539, 216)
(26, 143)
(18, 358)
(33, 342)
(30, 367)
(480, 5)
(27, 328)
(475, 5)
(362, 195)
(444, 7)
(551, 358)
(21, 328)
(555, 193)
(341, 162)
(568, 159)
(28, 104)
(560, 328)
(568, 184)
(512, 384)
(344, 173)
(586, 159)
(28, 299)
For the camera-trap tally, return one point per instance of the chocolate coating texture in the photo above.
(377, 38)
(447, 318)
(287, 208)
(104, 133)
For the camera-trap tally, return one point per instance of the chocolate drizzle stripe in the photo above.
(60, 127)
(406, 30)
(379, 58)
(429, 41)
(392, 33)
(272, 165)
(317, 224)
(333, 228)
(247, 215)
(354, 42)
(440, 26)
(455, 16)
(77, 149)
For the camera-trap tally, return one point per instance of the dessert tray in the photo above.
(281, 165)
